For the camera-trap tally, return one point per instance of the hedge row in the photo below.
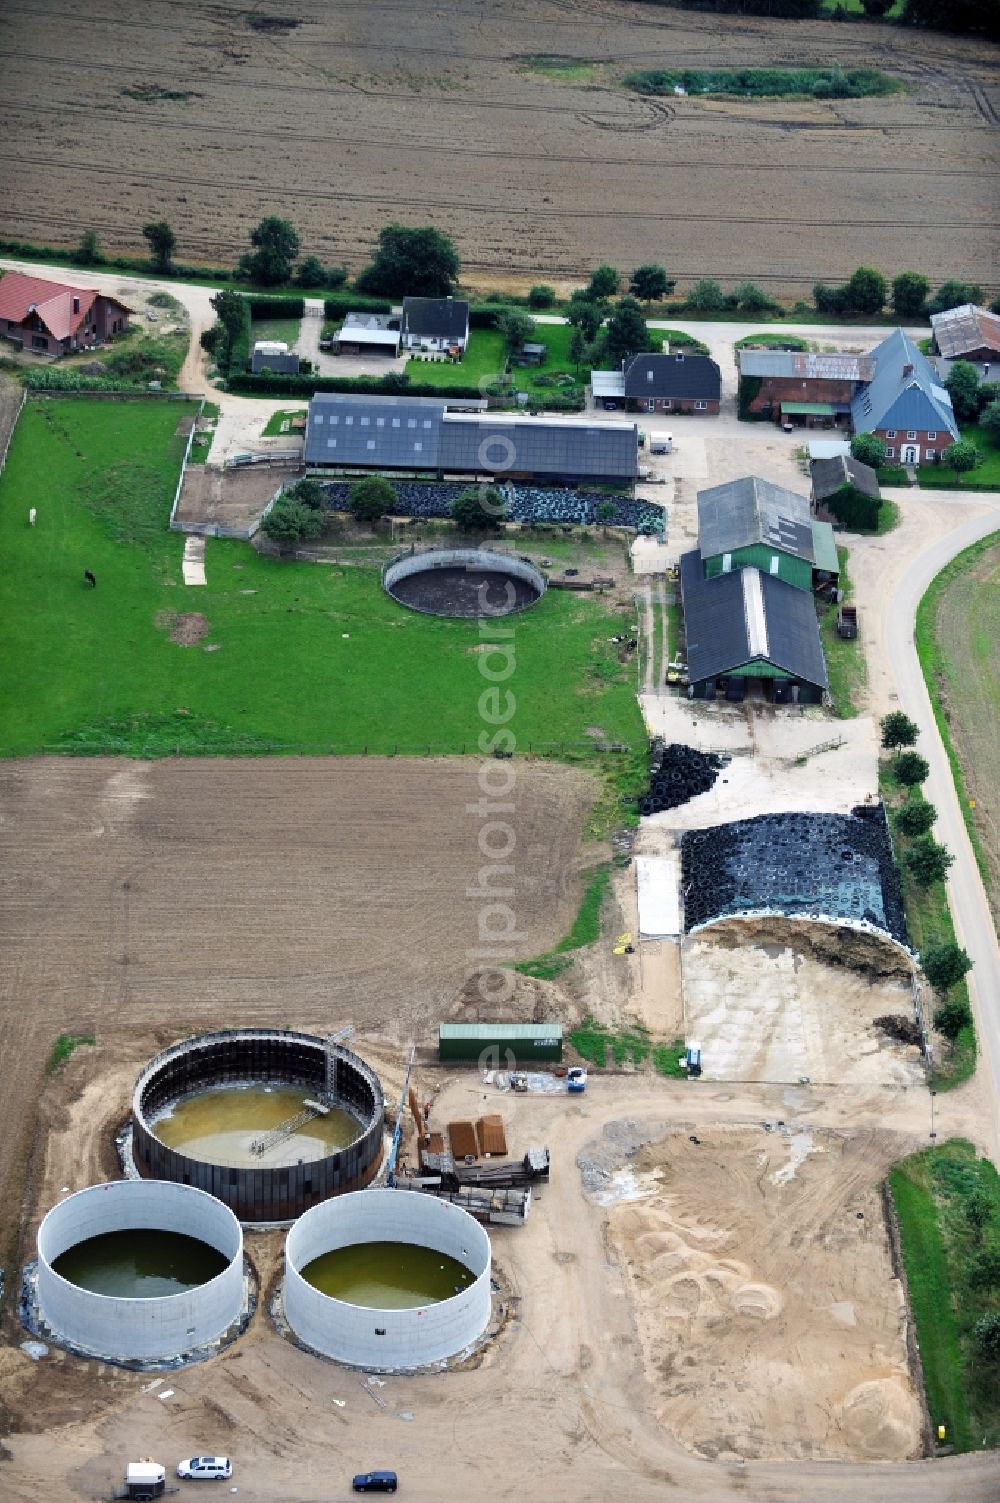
(276, 307)
(271, 385)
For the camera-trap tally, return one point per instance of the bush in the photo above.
(541, 296)
(962, 385)
(706, 296)
(371, 498)
(910, 288)
(951, 1017)
(945, 965)
(984, 1269)
(916, 817)
(910, 768)
(289, 521)
(869, 448)
(986, 1336)
(990, 421)
(865, 291)
(310, 493)
(478, 508)
(829, 299)
(853, 509)
(928, 861)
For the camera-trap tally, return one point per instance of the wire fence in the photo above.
(162, 746)
(6, 437)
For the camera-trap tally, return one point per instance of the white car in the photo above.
(218, 1468)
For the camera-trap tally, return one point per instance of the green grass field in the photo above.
(943, 1249)
(315, 656)
(483, 360)
(845, 660)
(284, 329)
(986, 476)
(280, 422)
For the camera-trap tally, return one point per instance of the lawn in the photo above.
(986, 476)
(284, 329)
(772, 341)
(945, 1252)
(202, 445)
(306, 655)
(482, 361)
(280, 422)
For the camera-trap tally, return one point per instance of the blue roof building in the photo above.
(904, 397)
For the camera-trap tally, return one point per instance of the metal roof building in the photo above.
(967, 332)
(420, 434)
(829, 475)
(904, 394)
(804, 366)
(750, 510)
(502, 1044)
(749, 625)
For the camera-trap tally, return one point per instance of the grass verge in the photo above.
(64, 1047)
(596, 1044)
(943, 1251)
(280, 422)
(929, 921)
(586, 929)
(845, 659)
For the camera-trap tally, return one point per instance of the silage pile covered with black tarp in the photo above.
(677, 773)
(820, 866)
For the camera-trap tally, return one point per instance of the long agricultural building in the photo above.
(422, 436)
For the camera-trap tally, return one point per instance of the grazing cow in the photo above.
(32, 514)
(89, 577)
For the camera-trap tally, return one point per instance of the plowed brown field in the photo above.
(178, 896)
(358, 115)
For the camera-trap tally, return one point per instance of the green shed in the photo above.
(751, 523)
(499, 1046)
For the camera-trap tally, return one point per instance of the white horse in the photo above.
(32, 514)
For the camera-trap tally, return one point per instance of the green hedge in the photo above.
(276, 307)
(354, 302)
(271, 385)
(853, 509)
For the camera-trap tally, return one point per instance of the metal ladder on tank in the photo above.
(310, 1109)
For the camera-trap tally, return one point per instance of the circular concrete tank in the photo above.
(373, 1338)
(261, 1190)
(464, 582)
(139, 1329)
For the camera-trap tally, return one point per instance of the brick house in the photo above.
(905, 404)
(660, 383)
(51, 318)
(809, 390)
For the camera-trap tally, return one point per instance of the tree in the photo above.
(877, 9)
(162, 243)
(951, 1017)
(910, 768)
(606, 511)
(986, 1336)
(706, 296)
(945, 965)
(978, 1211)
(310, 492)
(289, 521)
(928, 861)
(865, 291)
(541, 296)
(916, 817)
(650, 283)
(984, 1268)
(962, 456)
(515, 327)
(752, 299)
(586, 315)
(604, 283)
(578, 347)
(369, 499)
(276, 246)
(478, 508)
(626, 333)
(869, 448)
(910, 288)
(829, 299)
(89, 250)
(411, 262)
(898, 730)
(310, 272)
(962, 385)
(990, 421)
(953, 294)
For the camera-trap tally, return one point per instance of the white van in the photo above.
(661, 443)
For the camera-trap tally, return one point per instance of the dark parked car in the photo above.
(375, 1482)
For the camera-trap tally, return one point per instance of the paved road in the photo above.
(967, 898)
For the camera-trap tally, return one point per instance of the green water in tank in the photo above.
(139, 1264)
(388, 1275)
(218, 1126)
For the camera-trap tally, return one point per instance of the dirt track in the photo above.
(174, 896)
(361, 115)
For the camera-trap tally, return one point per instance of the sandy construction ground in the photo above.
(764, 1012)
(173, 896)
(770, 1320)
(351, 117)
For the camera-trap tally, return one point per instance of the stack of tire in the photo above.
(677, 773)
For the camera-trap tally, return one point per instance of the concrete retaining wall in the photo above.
(387, 1338)
(139, 1328)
